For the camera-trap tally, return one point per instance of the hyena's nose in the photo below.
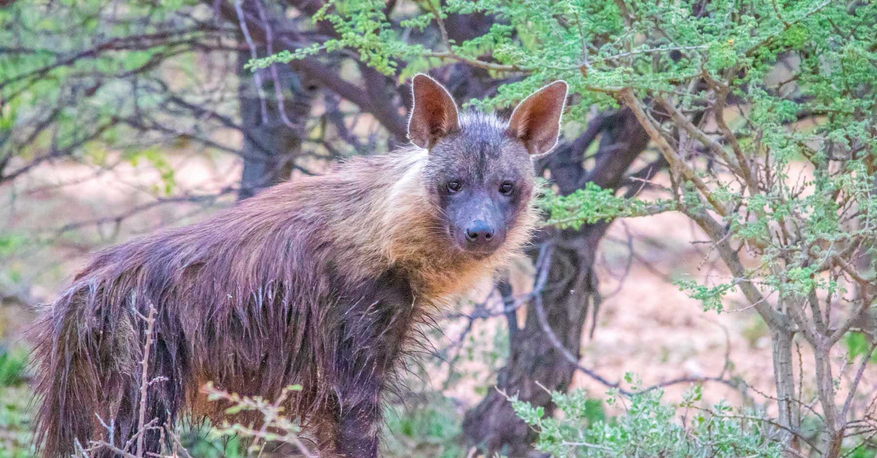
(479, 232)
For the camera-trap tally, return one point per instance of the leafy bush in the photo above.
(647, 427)
(428, 428)
(13, 364)
(199, 443)
(15, 421)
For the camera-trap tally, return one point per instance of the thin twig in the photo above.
(257, 79)
(144, 378)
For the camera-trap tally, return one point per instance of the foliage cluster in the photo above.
(647, 426)
(67, 73)
(15, 426)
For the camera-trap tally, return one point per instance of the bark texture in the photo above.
(271, 143)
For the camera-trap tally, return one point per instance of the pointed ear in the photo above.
(536, 120)
(434, 113)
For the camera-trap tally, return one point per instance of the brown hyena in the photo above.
(318, 282)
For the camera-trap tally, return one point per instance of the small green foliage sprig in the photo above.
(593, 204)
(276, 424)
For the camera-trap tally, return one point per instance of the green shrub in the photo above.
(13, 364)
(15, 422)
(426, 429)
(648, 427)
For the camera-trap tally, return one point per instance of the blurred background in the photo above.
(118, 118)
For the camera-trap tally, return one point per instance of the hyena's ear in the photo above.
(434, 113)
(536, 120)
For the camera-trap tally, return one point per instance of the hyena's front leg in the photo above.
(371, 340)
(347, 428)
(360, 420)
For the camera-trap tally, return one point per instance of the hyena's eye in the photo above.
(506, 188)
(454, 186)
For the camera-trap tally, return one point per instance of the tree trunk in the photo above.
(271, 146)
(569, 293)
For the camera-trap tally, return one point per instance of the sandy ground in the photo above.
(645, 325)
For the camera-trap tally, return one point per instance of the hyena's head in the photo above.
(479, 169)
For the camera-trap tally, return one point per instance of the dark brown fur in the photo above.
(319, 282)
